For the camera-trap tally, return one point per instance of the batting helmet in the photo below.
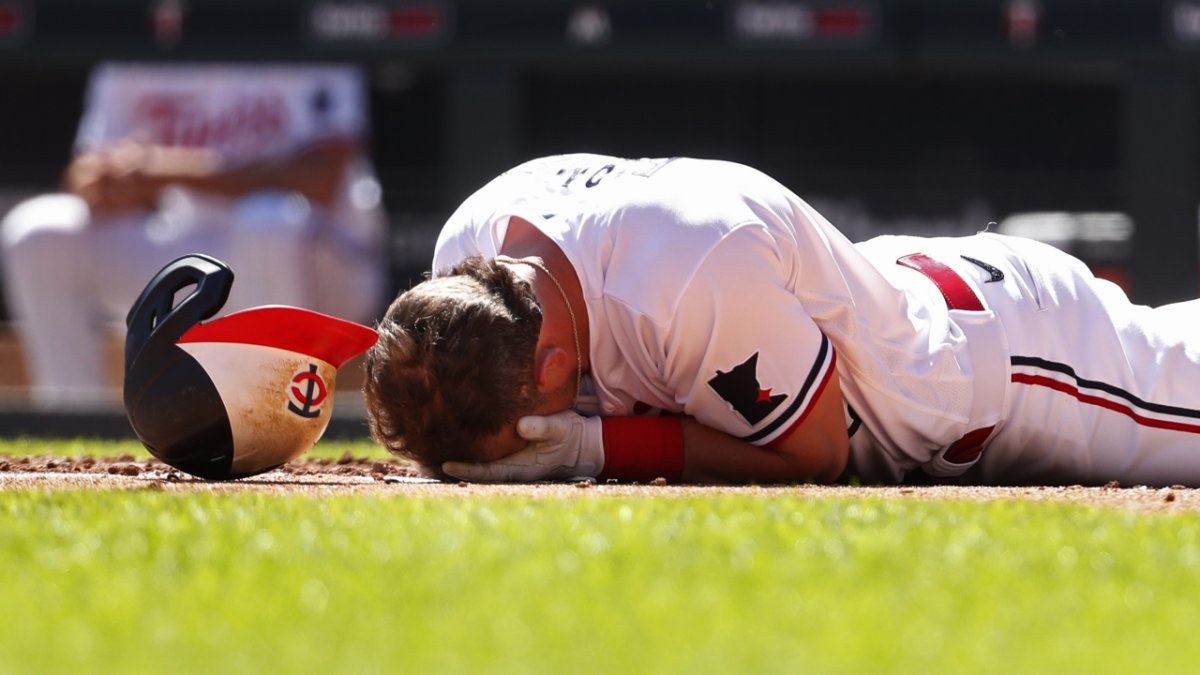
(235, 396)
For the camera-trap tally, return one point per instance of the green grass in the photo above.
(149, 581)
(86, 447)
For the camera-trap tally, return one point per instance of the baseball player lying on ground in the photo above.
(695, 320)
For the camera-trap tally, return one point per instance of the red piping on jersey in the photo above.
(957, 293)
(816, 395)
(1043, 381)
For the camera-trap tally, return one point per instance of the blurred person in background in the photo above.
(263, 166)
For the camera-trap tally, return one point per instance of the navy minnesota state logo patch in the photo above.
(739, 387)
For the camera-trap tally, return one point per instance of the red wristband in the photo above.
(642, 448)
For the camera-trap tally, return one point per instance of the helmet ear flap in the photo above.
(170, 401)
(155, 320)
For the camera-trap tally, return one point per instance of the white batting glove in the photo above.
(561, 446)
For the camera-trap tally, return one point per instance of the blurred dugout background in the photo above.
(1074, 121)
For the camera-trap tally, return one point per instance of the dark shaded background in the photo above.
(926, 116)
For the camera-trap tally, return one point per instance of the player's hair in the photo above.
(454, 362)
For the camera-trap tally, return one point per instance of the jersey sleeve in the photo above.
(453, 246)
(464, 235)
(478, 226)
(743, 352)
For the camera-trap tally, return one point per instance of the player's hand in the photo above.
(84, 175)
(114, 179)
(561, 446)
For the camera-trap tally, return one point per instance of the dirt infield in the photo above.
(348, 475)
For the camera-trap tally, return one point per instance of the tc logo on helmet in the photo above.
(307, 393)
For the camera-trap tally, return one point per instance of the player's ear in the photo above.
(552, 366)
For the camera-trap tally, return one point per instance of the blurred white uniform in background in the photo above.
(71, 276)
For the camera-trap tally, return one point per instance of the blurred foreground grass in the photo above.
(151, 581)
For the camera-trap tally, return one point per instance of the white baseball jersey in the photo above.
(714, 291)
(246, 113)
